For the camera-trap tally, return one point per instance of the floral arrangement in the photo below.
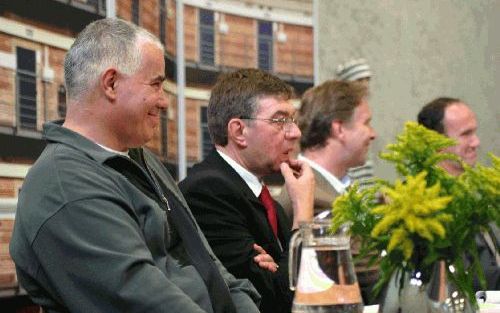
(428, 215)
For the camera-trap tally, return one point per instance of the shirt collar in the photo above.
(250, 179)
(339, 185)
(123, 153)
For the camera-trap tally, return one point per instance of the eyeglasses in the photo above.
(285, 123)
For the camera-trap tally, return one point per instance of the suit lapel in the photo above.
(215, 161)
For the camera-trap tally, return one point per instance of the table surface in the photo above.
(483, 308)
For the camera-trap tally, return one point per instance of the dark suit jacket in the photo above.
(487, 258)
(233, 219)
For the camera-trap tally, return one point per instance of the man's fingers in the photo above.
(297, 166)
(263, 257)
(270, 266)
(286, 171)
(259, 249)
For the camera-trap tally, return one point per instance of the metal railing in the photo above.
(26, 96)
(25, 102)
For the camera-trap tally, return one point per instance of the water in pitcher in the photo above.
(327, 281)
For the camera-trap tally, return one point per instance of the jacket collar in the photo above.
(55, 132)
(214, 160)
(250, 179)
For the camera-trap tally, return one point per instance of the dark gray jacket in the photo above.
(86, 239)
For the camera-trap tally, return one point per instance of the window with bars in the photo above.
(163, 21)
(265, 45)
(135, 12)
(61, 101)
(207, 42)
(26, 88)
(206, 142)
(102, 6)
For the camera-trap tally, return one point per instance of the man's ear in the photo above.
(337, 129)
(108, 82)
(236, 132)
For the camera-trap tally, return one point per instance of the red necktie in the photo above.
(267, 201)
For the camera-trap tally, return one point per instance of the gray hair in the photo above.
(102, 44)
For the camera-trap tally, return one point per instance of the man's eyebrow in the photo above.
(159, 78)
(468, 131)
(286, 113)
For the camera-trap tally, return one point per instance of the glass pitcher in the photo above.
(326, 280)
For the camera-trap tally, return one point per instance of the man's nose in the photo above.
(293, 132)
(373, 133)
(163, 101)
(475, 141)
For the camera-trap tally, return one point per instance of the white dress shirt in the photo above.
(250, 179)
(340, 185)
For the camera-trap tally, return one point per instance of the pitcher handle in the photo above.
(293, 263)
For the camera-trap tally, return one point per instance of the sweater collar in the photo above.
(55, 132)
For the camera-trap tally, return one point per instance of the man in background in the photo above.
(354, 70)
(101, 225)
(336, 135)
(358, 70)
(252, 124)
(453, 118)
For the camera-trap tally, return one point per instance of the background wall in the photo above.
(418, 50)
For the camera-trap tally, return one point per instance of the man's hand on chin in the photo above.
(299, 183)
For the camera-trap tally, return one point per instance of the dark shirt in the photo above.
(491, 269)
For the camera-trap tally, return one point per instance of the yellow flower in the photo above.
(353, 207)
(416, 149)
(412, 208)
(429, 215)
(397, 237)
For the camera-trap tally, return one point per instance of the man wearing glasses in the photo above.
(252, 124)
